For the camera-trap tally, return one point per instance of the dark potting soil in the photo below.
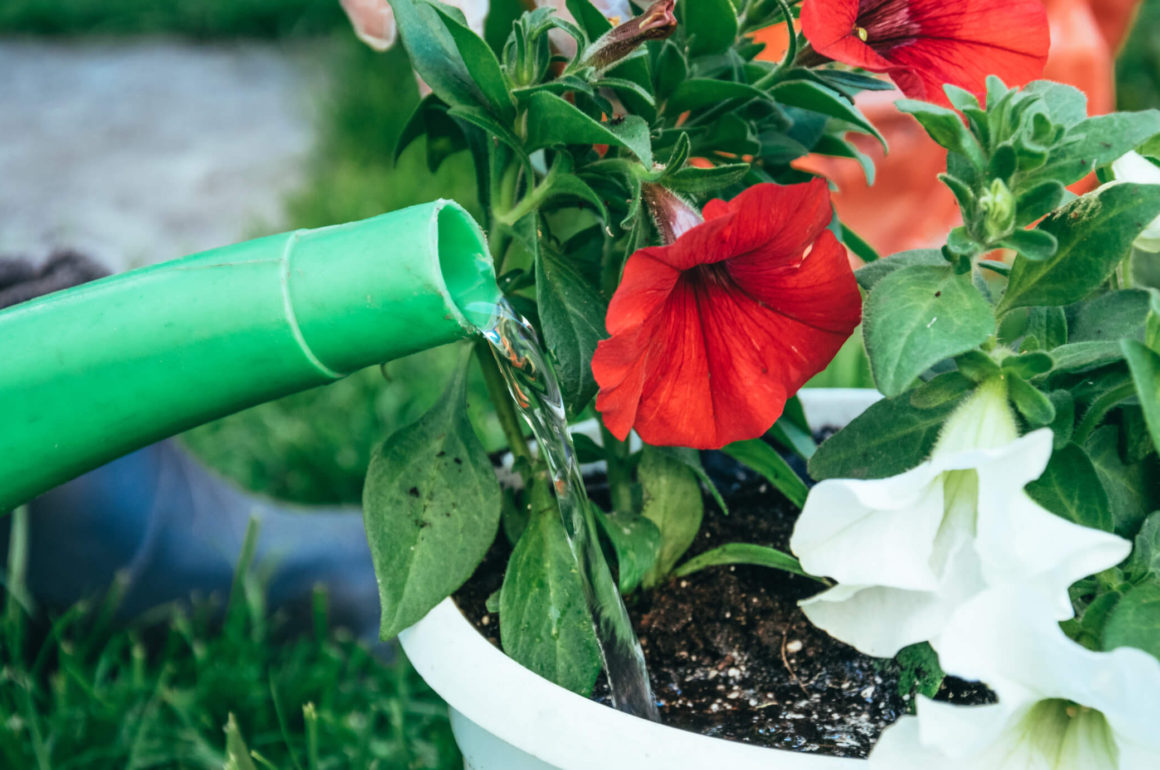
(729, 652)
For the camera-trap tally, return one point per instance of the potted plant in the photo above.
(990, 518)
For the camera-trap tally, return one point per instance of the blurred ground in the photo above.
(142, 151)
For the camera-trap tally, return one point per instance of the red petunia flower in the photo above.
(713, 332)
(922, 44)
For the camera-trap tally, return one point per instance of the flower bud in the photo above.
(672, 215)
(998, 206)
(983, 421)
(658, 21)
(1134, 167)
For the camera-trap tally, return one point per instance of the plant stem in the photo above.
(1100, 407)
(509, 421)
(619, 479)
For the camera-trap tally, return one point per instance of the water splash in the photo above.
(532, 383)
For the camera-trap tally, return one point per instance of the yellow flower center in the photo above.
(862, 34)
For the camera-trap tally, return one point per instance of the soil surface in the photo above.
(729, 652)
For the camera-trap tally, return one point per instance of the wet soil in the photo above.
(729, 652)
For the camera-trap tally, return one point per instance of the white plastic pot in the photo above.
(507, 718)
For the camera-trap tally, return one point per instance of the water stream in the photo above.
(533, 385)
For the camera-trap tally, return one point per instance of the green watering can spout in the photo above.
(92, 373)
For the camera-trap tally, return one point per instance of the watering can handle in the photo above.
(94, 372)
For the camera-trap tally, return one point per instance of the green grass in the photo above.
(77, 693)
(187, 18)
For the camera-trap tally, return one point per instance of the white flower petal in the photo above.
(1008, 639)
(1134, 167)
(880, 621)
(847, 524)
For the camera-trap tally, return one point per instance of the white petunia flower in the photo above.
(909, 550)
(1134, 167)
(1061, 706)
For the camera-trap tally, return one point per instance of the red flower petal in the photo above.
(707, 355)
(923, 44)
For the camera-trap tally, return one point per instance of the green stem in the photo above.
(1100, 407)
(619, 478)
(509, 421)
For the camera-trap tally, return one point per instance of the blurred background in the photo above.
(136, 131)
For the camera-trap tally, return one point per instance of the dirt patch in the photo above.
(729, 652)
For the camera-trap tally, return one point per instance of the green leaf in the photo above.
(553, 121)
(948, 386)
(691, 458)
(1111, 316)
(890, 437)
(699, 181)
(237, 753)
(695, 93)
(1094, 233)
(1036, 245)
(482, 65)
(764, 459)
(1066, 105)
(1028, 365)
(1035, 407)
(858, 245)
(1063, 426)
(742, 553)
(1048, 325)
(633, 133)
(672, 501)
(1135, 621)
(977, 365)
(918, 316)
(921, 672)
(543, 618)
(1096, 142)
(1144, 563)
(572, 317)
(944, 126)
(589, 18)
(431, 507)
(433, 38)
(1080, 357)
(825, 101)
(637, 543)
(1144, 365)
(671, 70)
(1071, 488)
(1033, 203)
(840, 148)
(872, 273)
(1130, 488)
(710, 24)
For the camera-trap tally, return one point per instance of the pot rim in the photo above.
(541, 718)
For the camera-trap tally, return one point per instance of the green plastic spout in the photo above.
(89, 374)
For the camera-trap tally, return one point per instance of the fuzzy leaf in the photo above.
(1094, 233)
(1096, 142)
(1135, 621)
(1144, 364)
(695, 93)
(890, 437)
(872, 273)
(431, 507)
(918, 316)
(1071, 488)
